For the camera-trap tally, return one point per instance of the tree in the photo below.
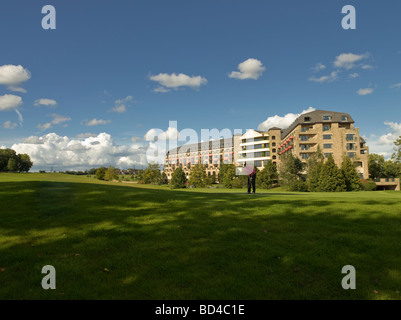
(111, 174)
(100, 173)
(198, 177)
(5, 156)
(376, 166)
(351, 177)
(391, 169)
(290, 170)
(12, 165)
(315, 159)
(314, 176)
(222, 170)
(163, 178)
(267, 177)
(228, 175)
(152, 174)
(178, 179)
(24, 163)
(331, 178)
(397, 154)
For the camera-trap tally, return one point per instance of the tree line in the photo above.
(10, 161)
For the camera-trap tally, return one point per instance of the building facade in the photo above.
(331, 132)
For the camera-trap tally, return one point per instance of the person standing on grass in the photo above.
(252, 181)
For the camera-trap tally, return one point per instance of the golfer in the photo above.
(252, 181)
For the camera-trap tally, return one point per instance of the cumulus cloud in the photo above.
(170, 134)
(249, 69)
(10, 102)
(9, 125)
(330, 78)
(366, 91)
(384, 144)
(96, 122)
(348, 60)
(13, 76)
(86, 135)
(354, 75)
(45, 102)
(174, 81)
(64, 153)
(281, 122)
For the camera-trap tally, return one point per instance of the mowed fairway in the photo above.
(124, 241)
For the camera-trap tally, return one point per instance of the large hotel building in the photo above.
(333, 132)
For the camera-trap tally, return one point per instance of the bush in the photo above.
(298, 185)
(368, 185)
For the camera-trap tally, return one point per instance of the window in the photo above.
(274, 150)
(344, 118)
(258, 163)
(304, 129)
(305, 147)
(327, 146)
(326, 118)
(350, 137)
(326, 127)
(351, 146)
(326, 155)
(306, 119)
(305, 156)
(273, 137)
(327, 136)
(351, 154)
(304, 138)
(273, 144)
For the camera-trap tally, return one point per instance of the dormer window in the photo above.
(326, 118)
(306, 119)
(344, 118)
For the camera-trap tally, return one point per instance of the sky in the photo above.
(96, 88)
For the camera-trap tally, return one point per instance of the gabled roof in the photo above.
(317, 117)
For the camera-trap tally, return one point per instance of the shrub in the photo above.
(368, 185)
(298, 185)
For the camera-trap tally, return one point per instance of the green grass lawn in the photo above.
(158, 243)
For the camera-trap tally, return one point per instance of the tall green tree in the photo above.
(228, 176)
(24, 163)
(290, 170)
(350, 175)
(178, 179)
(331, 178)
(12, 165)
(397, 153)
(198, 177)
(111, 174)
(314, 177)
(391, 169)
(376, 166)
(100, 173)
(152, 174)
(163, 178)
(266, 178)
(315, 159)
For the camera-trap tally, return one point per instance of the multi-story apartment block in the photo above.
(333, 132)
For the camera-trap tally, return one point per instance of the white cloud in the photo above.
(175, 81)
(160, 89)
(64, 153)
(135, 139)
(281, 122)
(96, 122)
(9, 125)
(10, 102)
(367, 67)
(120, 105)
(170, 134)
(249, 69)
(85, 135)
(348, 60)
(319, 67)
(397, 85)
(13, 76)
(384, 144)
(45, 102)
(57, 119)
(119, 109)
(354, 75)
(330, 78)
(366, 91)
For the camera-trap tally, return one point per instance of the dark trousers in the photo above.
(251, 183)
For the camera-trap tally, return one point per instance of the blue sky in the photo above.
(123, 55)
